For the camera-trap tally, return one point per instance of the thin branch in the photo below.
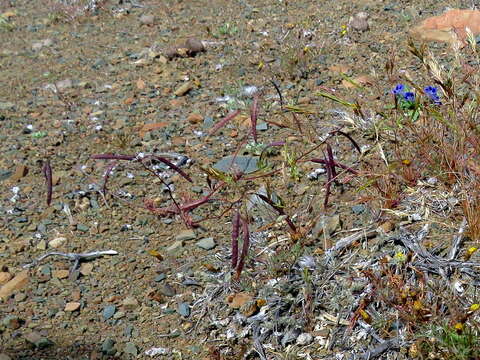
(457, 241)
(253, 117)
(72, 256)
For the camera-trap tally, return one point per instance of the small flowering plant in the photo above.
(406, 100)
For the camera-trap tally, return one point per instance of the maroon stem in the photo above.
(279, 210)
(112, 157)
(245, 246)
(235, 233)
(205, 199)
(47, 171)
(223, 122)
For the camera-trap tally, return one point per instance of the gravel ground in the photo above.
(152, 77)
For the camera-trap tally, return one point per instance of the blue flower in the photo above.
(409, 96)
(399, 89)
(431, 92)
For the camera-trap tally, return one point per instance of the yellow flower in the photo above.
(474, 307)
(471, 250)
(365, 315)
(400, 257)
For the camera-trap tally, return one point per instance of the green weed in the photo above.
(446, 342)
(227, 29)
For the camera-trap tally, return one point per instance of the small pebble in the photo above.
(358, 209)
(185, 235)
(160, 277)
(108, 347)
(206, 243)
(194, 46)
(359, 21)
(108, 311)
(131, 348)
(130, 303)
(184, 309)
(304, 339)
(183, 89)
(147, 19)
(72, 306)
(82, 228)
(57, 242)
(175, 246)
(167, 290)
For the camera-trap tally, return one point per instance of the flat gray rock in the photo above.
(206, 243)
(185, 235)
(108, 311)
(229, 164)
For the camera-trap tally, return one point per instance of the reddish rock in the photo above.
(5, 277)
(449, 26)
(17, 283)
(195, 118)
(72, 306)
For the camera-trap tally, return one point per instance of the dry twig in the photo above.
(73, 257)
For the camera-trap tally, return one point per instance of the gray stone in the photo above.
(82, 228)
(184, 309)
(190, 282)
(261, 210)
(37, 46)
(175, 246)
(231, 164)
(99, 63)
(197, 189)
(185, 235)
(206, 243)
(108, 347)
(64, 84)
(130, 303)
(167, 290)
(147, 19)
(304, 339)
(5, 174)
(5, 357)
(208, 122)
(358, 209)
(38, 340)
(128, 330)
(160, 277)
(108, 311)
(263, 126)
(46, 270)
(359, 22)
(131, 348)
(326, 225)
